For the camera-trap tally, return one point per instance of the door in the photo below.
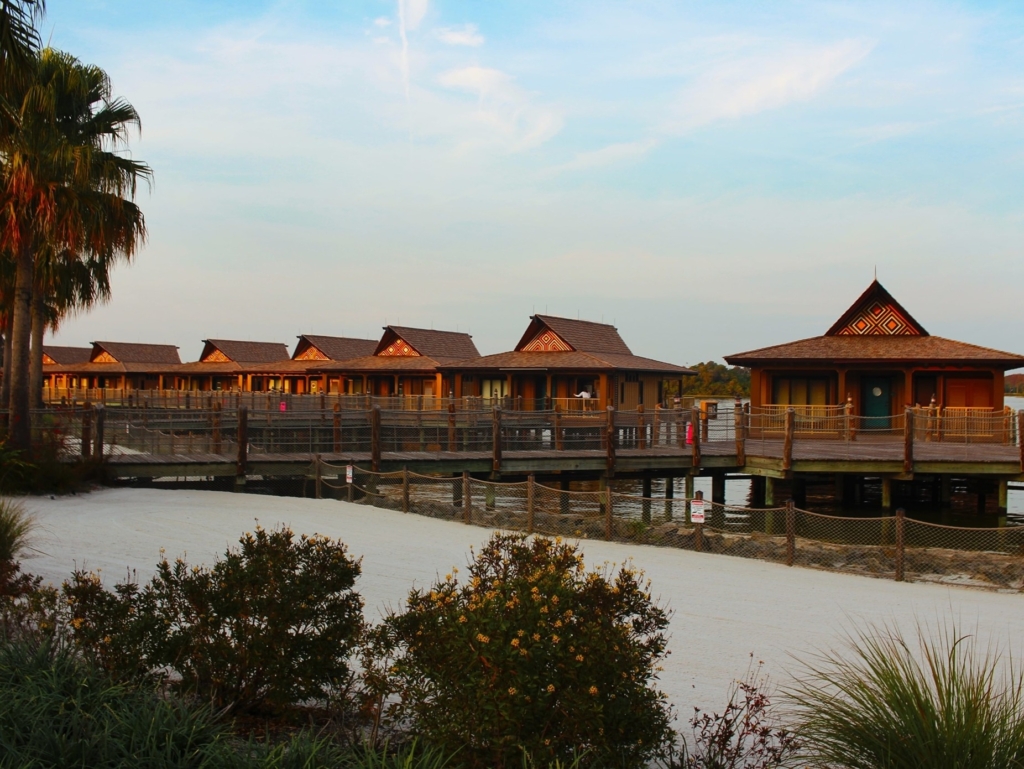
(877, 400)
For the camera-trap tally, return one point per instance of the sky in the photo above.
(709, 177)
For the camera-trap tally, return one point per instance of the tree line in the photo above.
(68, 185)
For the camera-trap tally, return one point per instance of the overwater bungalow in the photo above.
(230, 364)
(404, 362)
(880, 360)
(111, 365)
(313, 349)
(576, 364)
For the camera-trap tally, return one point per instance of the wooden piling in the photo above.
(641, 427)
(559, 442)
(787, 444)
(453, 444)
(531, 485)
(900, 526)
(86, 439)
(336, 429)
(695, 435)
(101, 413)
(741, 445)
(318, 477)
(405, 489)
(467, 499)
(908, 440)
(610, 431)
(242, 460)
(609, 515)
(375, 438)
(215, 417)
(790, 532)
(496, 446)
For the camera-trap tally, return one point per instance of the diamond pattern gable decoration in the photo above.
(398, 349)
(876, 313)
(547, 341)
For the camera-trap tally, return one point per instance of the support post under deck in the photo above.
(886, 493)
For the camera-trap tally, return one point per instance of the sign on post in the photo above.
(349, 475)
(697, 510)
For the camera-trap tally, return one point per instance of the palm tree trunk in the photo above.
(35, 378)
(5, 386)
(20, 434)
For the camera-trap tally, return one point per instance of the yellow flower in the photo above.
(512, 690)
(551, 688)
(555, 639)
(482, 638)
(536, 636)
(593, 691)
(462, 618)
(515, 642)
(520, 633)
(579, 658)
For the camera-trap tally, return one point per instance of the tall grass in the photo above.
(16, 527)
(886, 703)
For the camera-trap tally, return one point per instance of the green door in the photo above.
(877, 403)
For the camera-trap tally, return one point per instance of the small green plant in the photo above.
(268, 626)
(882, 705)
(16, 527)
(532, 655)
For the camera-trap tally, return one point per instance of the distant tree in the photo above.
(715, 379)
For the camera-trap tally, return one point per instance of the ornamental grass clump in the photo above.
(530, 655)
(269, 626)
(884, 704)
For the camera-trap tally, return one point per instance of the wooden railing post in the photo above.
(375, 438)
(216, 428)
(467, 499)
(336, 429)
(531, 486)
(741, 448)
(241, 464)
(319, 477)
(695, 436)
(101, 413)
(698, 529)
(496, 453)
(559, 443)
(87, 432)
(609, 514)
(790, 532)
(610, 441)
(452, 435)
(848, 430)
(900, 528)
(405, 489)
(641, 427)
(787, 443)
(908, 440)
(1020, 437)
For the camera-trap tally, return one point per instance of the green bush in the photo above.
(881, 705)
(532, 655)
(268, 626)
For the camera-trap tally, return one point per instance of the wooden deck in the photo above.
(762, 457)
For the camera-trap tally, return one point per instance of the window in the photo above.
(494, 388)
(800, 391)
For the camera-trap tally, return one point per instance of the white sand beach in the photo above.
(724, 609)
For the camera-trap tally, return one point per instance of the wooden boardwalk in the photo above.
(761, 457)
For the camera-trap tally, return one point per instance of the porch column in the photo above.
(1004, 494)
(437, 385)
(908, 388)
(886, 493)
(841, 387)
(603, 385)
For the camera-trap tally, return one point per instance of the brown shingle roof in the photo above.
(337, 347)
(440, 345)
(247, 352)
(582, 335)
(67, 355)
(572, 361)
(380, 363)
(866, 349)
(133, 352)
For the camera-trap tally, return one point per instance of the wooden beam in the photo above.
(908, 440)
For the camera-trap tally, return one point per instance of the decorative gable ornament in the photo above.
(876, 313)
(104, 357)
(216, 356)
(311, 353)
(47, 360)
(547, 341)
(399, 349)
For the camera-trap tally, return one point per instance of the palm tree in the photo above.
(67, 195)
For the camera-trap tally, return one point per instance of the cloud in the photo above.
(610, 155)
(467, 34)
(382, 21)
(412, 12)
(504, 109)
(759, 83)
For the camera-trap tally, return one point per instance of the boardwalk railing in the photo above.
(893, 547)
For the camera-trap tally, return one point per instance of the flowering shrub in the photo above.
(531, 655)
(270, 625)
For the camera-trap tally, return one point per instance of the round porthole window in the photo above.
(877, 391)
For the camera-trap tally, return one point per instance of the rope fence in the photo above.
(889, 547)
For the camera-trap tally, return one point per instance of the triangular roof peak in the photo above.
(876, 313)
(549, 333)
(406, 341)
